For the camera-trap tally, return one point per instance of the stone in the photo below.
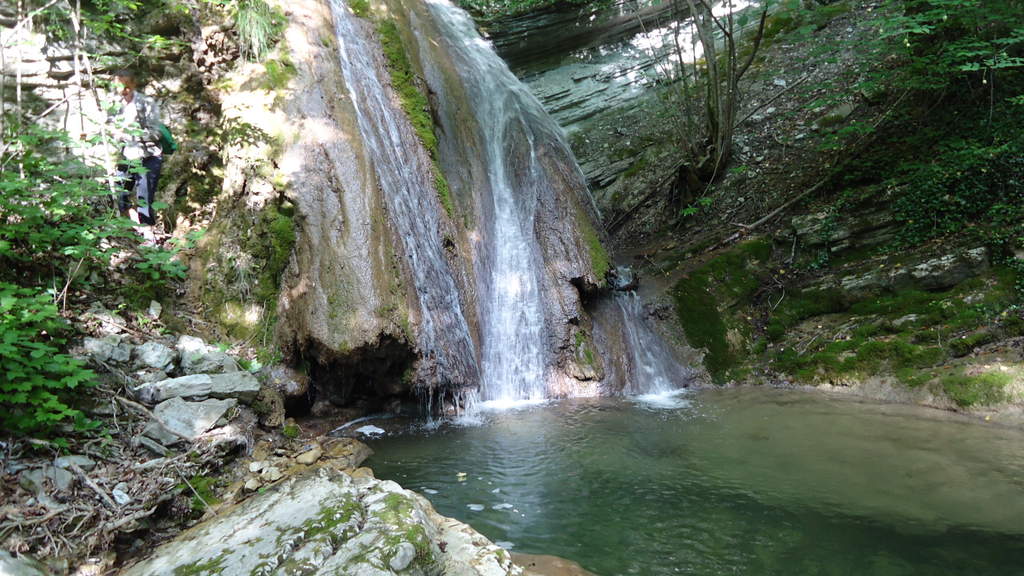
(271, 474)
(197, 357)
(153, 355)
(309, 456)
(405, 553)
(253, 484)
(289, 382)
(36, 480)
(120, 494)
(186, 419)
(108, 349)
(346, 453)
(334, 524)
(83, 462)
(241, 385)
(909, 318)
(11, 565)
(836, 116)
(950, 269)
(269, 406)
(256, 466)
(154, 310)
(151, 445)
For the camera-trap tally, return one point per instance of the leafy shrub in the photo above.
(36, 376)
(259, 27)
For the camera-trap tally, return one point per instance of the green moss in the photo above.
(290, 431)
(797, 308)
(976, 390)
(730, 278)
(204, 495)
(214, 566)
(584, 349)
(404, 81)
(413, 100)
(360, 8)
(443, 192)
(599, 261)
(966, 344)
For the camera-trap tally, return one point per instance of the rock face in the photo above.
(326, 522)
(342, 298)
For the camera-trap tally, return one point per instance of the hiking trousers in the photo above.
(142, 186)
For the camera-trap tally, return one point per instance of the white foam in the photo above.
(370, 430)
(475, 507)
(669, 400)
(505, 544)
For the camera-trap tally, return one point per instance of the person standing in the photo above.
(137, 122)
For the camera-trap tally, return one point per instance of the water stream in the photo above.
(402, 170)
(742, 481)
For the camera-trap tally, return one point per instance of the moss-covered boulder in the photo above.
(326, 522)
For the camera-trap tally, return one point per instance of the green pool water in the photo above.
(730, 482)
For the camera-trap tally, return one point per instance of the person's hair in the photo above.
(129, 74)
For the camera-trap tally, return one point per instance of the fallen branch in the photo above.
(118, 524)
(93, 486)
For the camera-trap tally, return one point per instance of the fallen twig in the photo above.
(93, 486)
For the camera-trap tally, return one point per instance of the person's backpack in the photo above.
(166, 142)
(168, 145)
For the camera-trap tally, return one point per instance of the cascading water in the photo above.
(653, 371)
(512, 125)
(443, 335)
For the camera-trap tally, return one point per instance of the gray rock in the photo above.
(185, 419)
(271, 474)
(153, 355)
(120, 494)
(36, 480)
(405, 553)
(950, 269)
(253, 484)
(152, 446)
(108, 349)
(333, 524)
(197, 357)
(82, 462)
(154, 310)
(20, 566)
(289, 382)
(241, 385)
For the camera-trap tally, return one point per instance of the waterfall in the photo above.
(513, 128)
(654, 370)
(403, 171)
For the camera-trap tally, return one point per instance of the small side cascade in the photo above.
(652, 368)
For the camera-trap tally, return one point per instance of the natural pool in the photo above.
(745, 481)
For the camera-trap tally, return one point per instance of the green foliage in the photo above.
(201, 488)
(52, 206)
(37, 376)
(290, 431)
(964, 181)
(259, 27)
(951, 40)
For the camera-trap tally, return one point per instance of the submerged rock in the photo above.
(326, 522)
